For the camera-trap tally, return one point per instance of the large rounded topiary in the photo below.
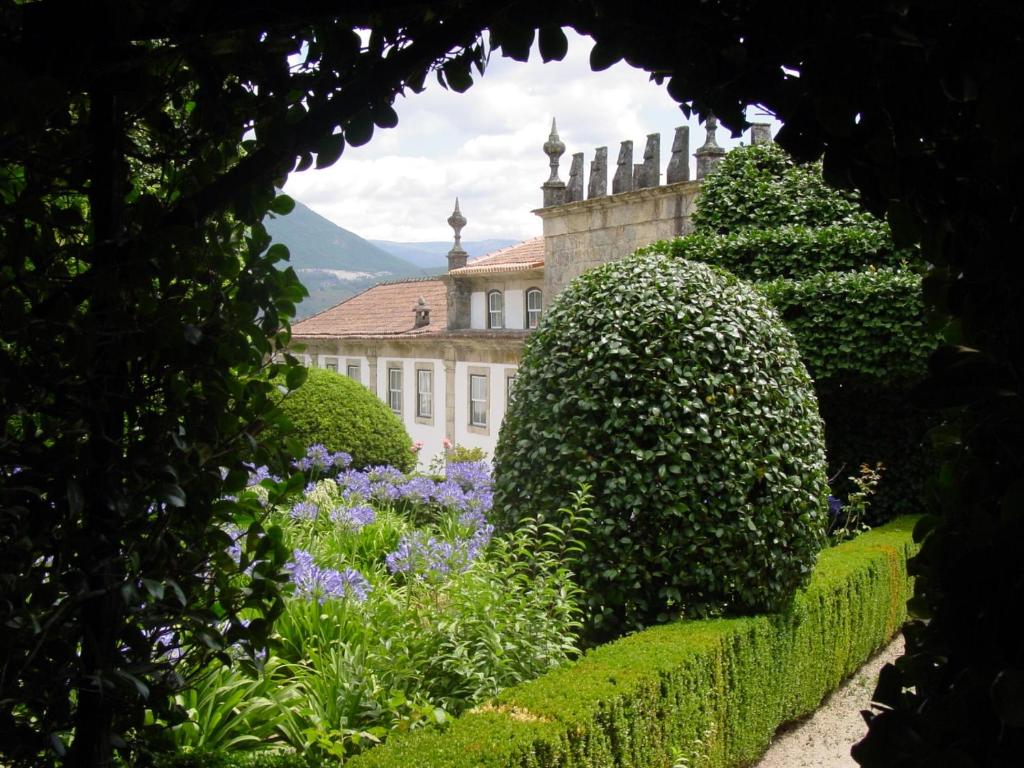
(676, 393)
(344, 415)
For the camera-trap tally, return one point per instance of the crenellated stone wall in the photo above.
(584, 234)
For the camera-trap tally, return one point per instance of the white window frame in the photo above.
(425, 395)
(510, 378)
(495, 315)
(533, 314)
(478, 419)
(327, 361)
(354, 365)
(395, 391)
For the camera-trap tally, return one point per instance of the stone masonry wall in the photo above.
(583, 234)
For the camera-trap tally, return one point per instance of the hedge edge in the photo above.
(704, 693)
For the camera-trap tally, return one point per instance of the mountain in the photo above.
(318, 243)
(432, 255)
(332, 262)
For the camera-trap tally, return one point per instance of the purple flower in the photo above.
(258, 474)
(305, 510)
(835, 506)
(470, 475)
(354, 517)
(319, 459)
(426, 558)
(311, 580)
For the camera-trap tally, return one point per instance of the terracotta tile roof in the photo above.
(528, 254)
(383, 310)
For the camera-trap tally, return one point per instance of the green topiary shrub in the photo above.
(676, 393)
(344, 415)
(852, 299)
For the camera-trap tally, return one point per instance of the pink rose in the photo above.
(447, 444)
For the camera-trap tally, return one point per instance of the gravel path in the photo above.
(824, 739)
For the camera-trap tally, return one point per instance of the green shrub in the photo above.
(851, 298)
(791, 251)
(710, 692)
(761, 187)
(674, 391)
(857, 328)
(343, 415)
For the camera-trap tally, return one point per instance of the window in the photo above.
(424, 393)
(495, 310)
(354, 371)
(330, 363)
(477, 400)
(533, 307)
(510, 379)
(395, 389)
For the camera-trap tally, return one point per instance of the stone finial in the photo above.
(650, 170)
(598, 185)
(760, 133)
(623, 179)
(574, 191)
(679, 164)
(421, 313)
(554, 188)
(710, 154)
(457, 256)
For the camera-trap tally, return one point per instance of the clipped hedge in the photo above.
(711, 691)
(343, 415)
(760, 186)
(790, 251)
(857, 327)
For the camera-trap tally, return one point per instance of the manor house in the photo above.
(443, 352)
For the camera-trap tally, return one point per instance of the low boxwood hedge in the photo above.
(708, 692)
(712, 692)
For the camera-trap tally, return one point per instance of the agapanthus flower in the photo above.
(422, 557)
(354, 517)
(835, 506)
(318, 458)
(470, 475)
(305, 510)
(311, 580)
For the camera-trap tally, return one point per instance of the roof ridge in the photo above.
(492, 254)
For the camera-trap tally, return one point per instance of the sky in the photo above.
(485, 147)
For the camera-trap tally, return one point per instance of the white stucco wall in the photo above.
(478, 309)
(515, 310)
(464, 433)
(430, 432)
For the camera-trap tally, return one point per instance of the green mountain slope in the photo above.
(317, 243)
(332, 262)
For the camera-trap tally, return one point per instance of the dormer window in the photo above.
(534, 304)
(495, 310)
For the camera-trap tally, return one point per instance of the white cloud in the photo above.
(484, 146)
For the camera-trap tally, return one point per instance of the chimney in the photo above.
(421, 313)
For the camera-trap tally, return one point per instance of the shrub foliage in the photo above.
(852, 299)
(677, 394)
(343, 415)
